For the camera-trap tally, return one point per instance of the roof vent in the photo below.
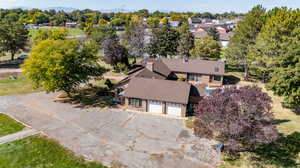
(217, 69)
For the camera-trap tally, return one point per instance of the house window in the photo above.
(217, 78)
(135, 102)
(194, 77)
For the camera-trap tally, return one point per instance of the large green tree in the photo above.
(61, 65)
(206, 48)
(101, 33)
(244, 37)
(13, 37)
(186, 41)
(274, 40)
(285, 76)
(164, 42)
(49, 34)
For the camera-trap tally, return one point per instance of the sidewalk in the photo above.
(18, 135)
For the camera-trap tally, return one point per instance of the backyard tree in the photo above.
(186, 41)
(164, 42)
(274, 40)
(61, 65)
(212, 31)
(114, 53)
(49, 34)
(244, 37)
(240, 118)
(101, 33)
(13, 37)
(153, 22)
(206, 48)
(135, 39)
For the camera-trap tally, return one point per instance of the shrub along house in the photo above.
(169, 86)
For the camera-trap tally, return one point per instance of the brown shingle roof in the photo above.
(195, 66)
(141, 73)
(160, 90)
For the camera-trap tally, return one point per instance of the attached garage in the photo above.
(174, 109)
(157, 96)
(155, 106)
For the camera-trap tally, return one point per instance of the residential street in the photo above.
(133, 140)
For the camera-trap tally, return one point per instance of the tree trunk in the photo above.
(246, 75)
(12, 55)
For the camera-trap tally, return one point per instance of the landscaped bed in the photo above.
(9, 126)
(40, 152)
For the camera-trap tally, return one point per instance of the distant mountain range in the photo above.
(70, 9)
(66, 9)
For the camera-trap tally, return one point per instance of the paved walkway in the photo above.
(18, 135)
(135, 140)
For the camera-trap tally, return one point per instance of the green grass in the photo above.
(72, 31)
(189, 122)
(9, 126)
(16, 86)
(40, 152)
(75, 32)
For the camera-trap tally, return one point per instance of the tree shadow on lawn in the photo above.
(285, 152)
(231, 80)
(11, 64)
(91, 96)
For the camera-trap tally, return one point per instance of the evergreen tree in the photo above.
(186, 41)
(244, 37)
(274, 40)
(164, 42)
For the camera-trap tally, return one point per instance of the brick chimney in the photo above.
(150, 66)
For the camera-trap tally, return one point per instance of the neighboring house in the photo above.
(221, 29)
(199, 33)
(71, 24)
(194, 21)
(224, 39)
(174, 23)
(153, 85)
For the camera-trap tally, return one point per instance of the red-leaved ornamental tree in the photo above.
(240, 118)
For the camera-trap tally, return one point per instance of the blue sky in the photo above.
(178, 5)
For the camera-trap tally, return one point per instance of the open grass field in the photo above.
(9, 126)
(16, 86)
(72, 31)
(40, 152)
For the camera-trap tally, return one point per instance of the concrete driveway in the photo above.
(133, 140)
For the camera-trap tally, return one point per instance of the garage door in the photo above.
(155, 106)
(174, 109)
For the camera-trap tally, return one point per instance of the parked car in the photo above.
(23, 57)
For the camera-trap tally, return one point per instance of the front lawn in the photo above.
(8, 125)
(16, 86)
(40, 152)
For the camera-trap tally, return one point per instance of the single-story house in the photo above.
(169, 86)
(158, 96)
(71, 24)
